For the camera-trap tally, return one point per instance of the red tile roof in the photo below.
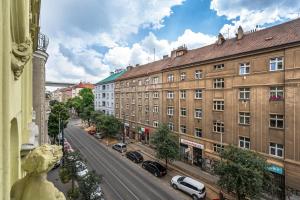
(282, 34)
(84, 85)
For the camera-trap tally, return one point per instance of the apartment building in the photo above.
(242, 91)
(104, 99)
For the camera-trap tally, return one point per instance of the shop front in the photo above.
(278, 178)
(191, 152)
(144, 135)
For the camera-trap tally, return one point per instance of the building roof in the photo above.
(111, 78)
(146, 69)
(84, 85)
(275, 36)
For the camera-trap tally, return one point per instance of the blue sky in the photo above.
(90, 38)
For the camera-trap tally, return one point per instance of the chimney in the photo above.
(129, 67)
(111, 73)
(240, 33)
(165, 56)
(221, 39)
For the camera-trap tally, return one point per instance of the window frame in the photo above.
(218, 125)
(276, 118)
(218, 67)
(182, 76)
(244, 69)
(217, 104)
(198, 92)
(245, 141)
(276, 61)
(170, 94)
(183, 127)
(197, 111)
(170, 110)
(243, 93)
(182, 94)
(170, 78)
(276, 90)
(196, 132)
(183, 112)
(276, 149)
(171, 124)
(219, 83)
(246, 116)
(198, 74)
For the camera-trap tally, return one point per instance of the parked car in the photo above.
(81, 169)
(121, 147)
(99, 136)
(154, 168)
(97, 194)
(190, 186)
(91, 130)
(135, 156)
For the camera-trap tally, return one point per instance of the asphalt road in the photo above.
(122, 179)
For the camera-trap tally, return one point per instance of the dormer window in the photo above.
(219, 67)
(179, 53)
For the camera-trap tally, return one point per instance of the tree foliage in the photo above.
(166, 144)
(108, 125)
(58, 111)
(243, 172)
(88, 185)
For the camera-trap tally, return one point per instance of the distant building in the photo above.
(104, 93)
(76, 89)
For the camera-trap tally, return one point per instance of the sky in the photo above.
(90, 38)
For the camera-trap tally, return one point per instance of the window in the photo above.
(218, 148)
(219, 67)
(219, 83)
(103, 87)
(146, 81)
(244, 68)
(182, 94)
(218, 127)
(146, 109)
(146, 94)
(140, 108)
(183, 112)
(155, 109)
(276, 149)
(103, 103)
(182, 76)
(244, 118)
(103, 95)
(198, 132)
(183, 128)
(155, 95)
(155, 124)
(170, 95)
(147, 121)
(276, 121)
(218, 105)
(198, 74)
(139, 94)
(276, 64)
(244, 93)
(140, 82)
(170, 111)
(170, 78)
(155, 80)
(276, 93)
(171, 126)
(244, 142)
(198, 113)
(198, 94)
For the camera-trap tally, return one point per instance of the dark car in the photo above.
(135, 156)
(154, 168)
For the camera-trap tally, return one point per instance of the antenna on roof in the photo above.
(228, 30)
(153, 54)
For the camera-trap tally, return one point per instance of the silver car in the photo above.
(189, 186)
(121, 147)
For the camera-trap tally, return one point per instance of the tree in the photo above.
(75, 103)
(108, 125)
(166, 144)
(243, 172)
(58, 111)
(88, 185)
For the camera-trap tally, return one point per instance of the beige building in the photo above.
(242, 91)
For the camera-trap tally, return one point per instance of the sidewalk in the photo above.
(53, 177)
(186, 169)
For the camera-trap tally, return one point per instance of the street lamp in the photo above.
(123, 127)
(61, 130)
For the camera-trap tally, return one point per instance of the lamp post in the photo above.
(124, 127)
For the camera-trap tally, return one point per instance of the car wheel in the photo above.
(156, 174)
(195, 197)
(174, 186)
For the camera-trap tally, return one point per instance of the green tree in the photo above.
(243, 172)
(58, 111)
(75, 103)
(166, 144)
(108, 125)
(88, 185)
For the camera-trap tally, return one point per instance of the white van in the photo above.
(190, 186)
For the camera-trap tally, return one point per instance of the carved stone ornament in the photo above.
(35, 186)
(21, 53)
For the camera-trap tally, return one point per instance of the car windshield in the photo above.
(181, 179)
(159, 166)
(138, 155)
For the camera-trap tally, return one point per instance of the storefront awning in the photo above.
(193, 144)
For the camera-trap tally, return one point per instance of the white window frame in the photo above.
(182, 94)
(218, 127)
(198, 74)
(155, 95)
(276, 118)
(155, 109)
(170, 111)
(146, 95)
(276, 147)
(198, 94)
(218, 83)
(274, 62)
(183, 127)
(198, 131)
(244, 142)
(244, 118)
(244, 69)
(170, 78)
(276, 93)
(171, 126)
(244, 93)
(219, 67)
(183, 112)
(170, 94)
(218, 148)
(140, 82)
(182, 76)
(155, 123)
(218, 105)
(198, 113)
(155, 80)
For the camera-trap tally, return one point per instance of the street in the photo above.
(122, 179)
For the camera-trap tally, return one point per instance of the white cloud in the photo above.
(250, 13)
